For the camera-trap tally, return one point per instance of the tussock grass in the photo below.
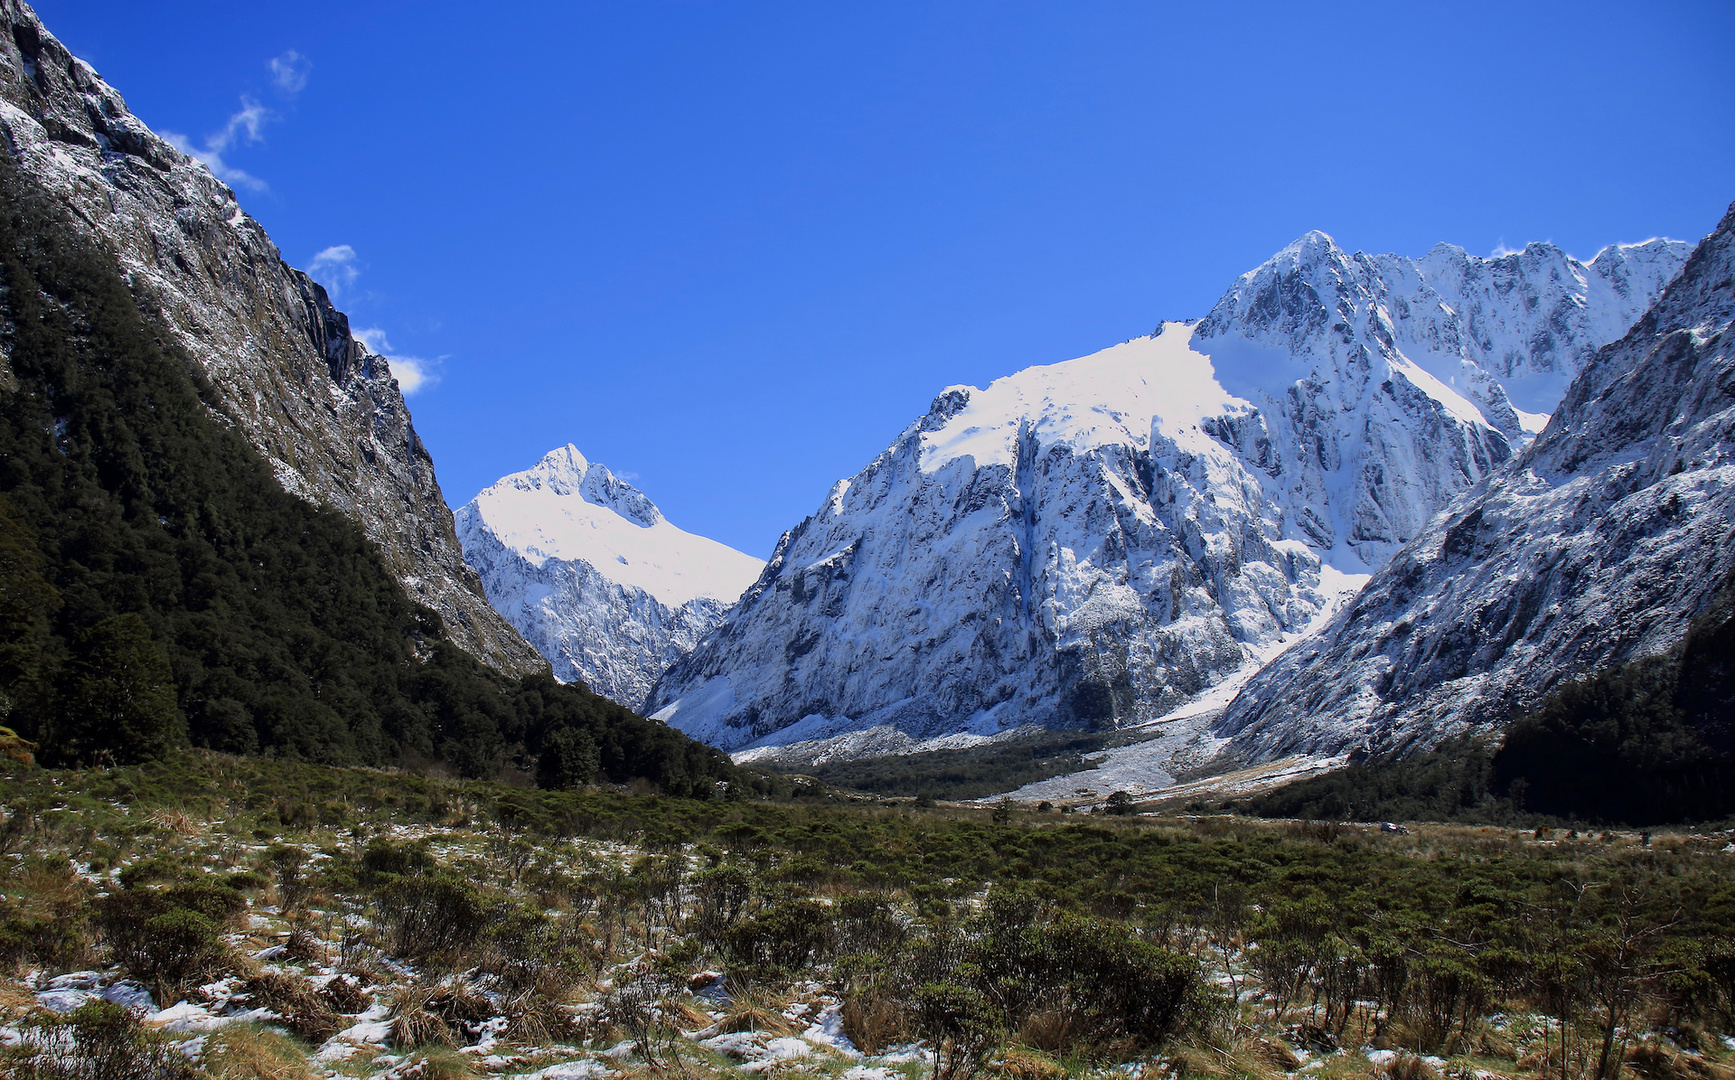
(252, 1052)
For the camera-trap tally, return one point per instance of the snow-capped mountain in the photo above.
(323, 410)
(591, 573)
(1096, 542)
(1596, 546)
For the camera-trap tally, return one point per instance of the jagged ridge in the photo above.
(1598, 545)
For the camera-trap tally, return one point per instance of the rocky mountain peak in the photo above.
(1595, 546)
(565, 471)
(1095, 542)
(588, 569)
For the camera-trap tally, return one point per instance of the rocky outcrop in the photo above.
(593, 575)
(1094, 543)
(323, 410)
(1597, 545)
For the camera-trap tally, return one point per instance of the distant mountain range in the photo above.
(1096, 543)
(1363, 503)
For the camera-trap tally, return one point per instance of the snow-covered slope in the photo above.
(1096, 542)
(1597, 545)
(589, 571)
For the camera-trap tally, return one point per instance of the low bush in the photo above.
(96, 1041)
(174, 935)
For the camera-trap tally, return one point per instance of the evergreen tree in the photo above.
(119, 700)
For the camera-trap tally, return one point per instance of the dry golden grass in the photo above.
(179, 822)
(748, 1012)
(344, 995)
(16, 999)
(1277, 1055)
(247, 1052)
(1021, 1063)
(536, 1020)
(1050, 1029)
(873, 1022)
(1233, 1059)
(687, 1016)
(413, 1023)
(439, 1063)
(1407, 1067)
(1654, 1061)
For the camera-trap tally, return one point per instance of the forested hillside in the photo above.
(157, 585)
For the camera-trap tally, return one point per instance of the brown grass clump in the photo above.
(873, 1022)
(179, 822)
(248, 1052)
(687, 1016)
(344, 996)
(436, 1014)
(413, 1023)
(303, 946)
(1408, 1067)
(1020, 1063)
(301, 1007)
(16, 747)
(1238, 1059)
(1049, 1029)
(16, 999)
(438, 1063)
(750, 1013)
(536, 1020)
(1654, 1061)
(458, 1003)
(1277, 1055)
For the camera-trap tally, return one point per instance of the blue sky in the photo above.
(733, 248)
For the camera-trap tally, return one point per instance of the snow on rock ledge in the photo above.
(585, 566)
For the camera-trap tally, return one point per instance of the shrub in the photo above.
(170, 934)
(97, 1041)
(432, 916)
(781, 938)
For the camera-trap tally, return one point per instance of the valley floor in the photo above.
(246, 918)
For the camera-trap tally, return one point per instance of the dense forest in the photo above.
(158, 587)
(1647, 743)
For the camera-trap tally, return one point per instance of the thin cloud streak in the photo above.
(243, 127)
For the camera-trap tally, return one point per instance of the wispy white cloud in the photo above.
(1501, 250)
(244, 126)
(413, 372)
(335, 268)
(289, 72)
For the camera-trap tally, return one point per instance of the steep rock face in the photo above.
(1096, 542)
(589, 571)
(1597, 545)
(323, 410)
(1534, 318)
